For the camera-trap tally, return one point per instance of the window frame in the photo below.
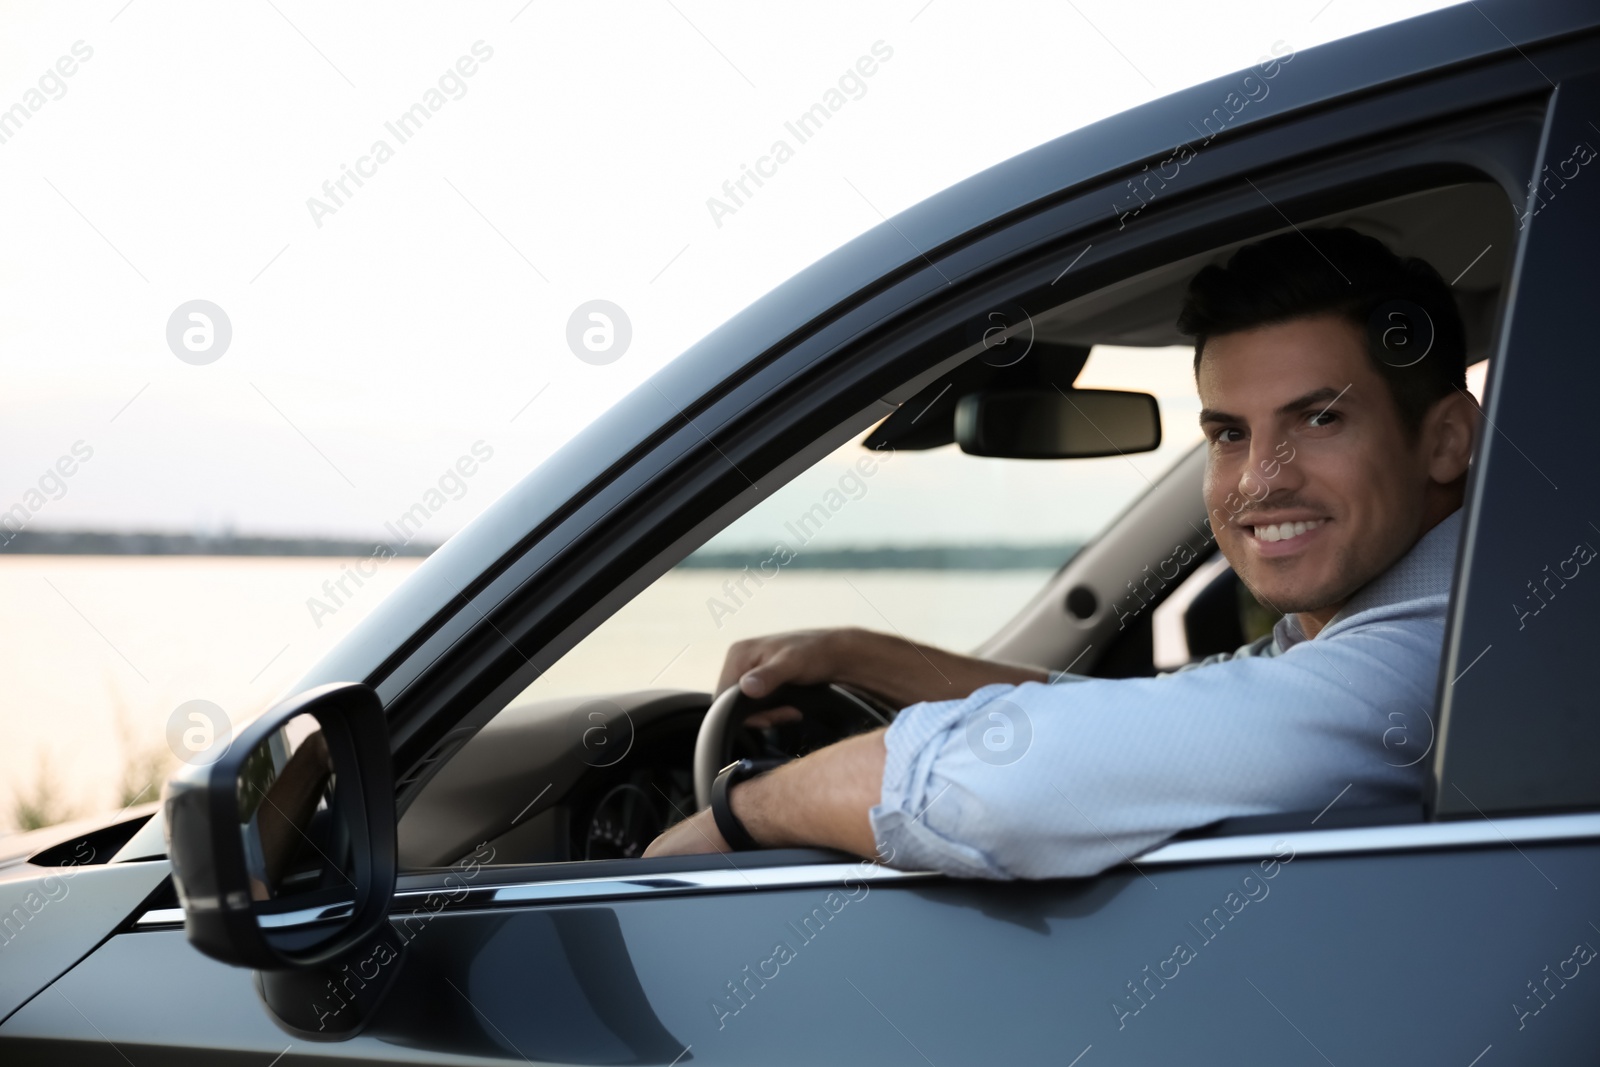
(1540, 759)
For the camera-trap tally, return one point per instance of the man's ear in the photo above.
(1448, 432)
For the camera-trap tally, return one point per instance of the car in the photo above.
(430, 851)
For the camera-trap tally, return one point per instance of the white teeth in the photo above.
(1284, 530)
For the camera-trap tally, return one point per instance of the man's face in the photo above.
(1311, 486)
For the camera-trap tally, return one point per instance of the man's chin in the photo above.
(1292, 598)
(1307, 582)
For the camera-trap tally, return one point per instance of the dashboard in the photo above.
(615, 811)
(567, 778)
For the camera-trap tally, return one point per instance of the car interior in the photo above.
(539, 791)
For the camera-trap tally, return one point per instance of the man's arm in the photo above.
(819, 801)
(900, 671)
(823, 799)
(1135, 760)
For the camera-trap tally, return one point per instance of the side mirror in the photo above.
(283, 854)
(1051, 424)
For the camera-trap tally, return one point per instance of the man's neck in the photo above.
(1312, 622)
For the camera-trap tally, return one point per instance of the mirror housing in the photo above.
(229, 911)
(1057, 423)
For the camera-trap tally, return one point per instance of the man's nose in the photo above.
(1267, 470)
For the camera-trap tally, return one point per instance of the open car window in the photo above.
(903, 532)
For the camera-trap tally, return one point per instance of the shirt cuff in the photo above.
(913, 804)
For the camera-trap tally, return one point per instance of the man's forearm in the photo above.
(821, 800)
(905, 673)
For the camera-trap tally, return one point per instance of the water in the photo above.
(96, 653)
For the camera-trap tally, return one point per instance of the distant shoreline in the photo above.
(979, 557)
(96, 543)
(919, 558)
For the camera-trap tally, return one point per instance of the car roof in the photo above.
(1451, 37)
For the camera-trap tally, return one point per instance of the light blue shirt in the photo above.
(1071, 777)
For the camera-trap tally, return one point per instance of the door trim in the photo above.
(1359, 839)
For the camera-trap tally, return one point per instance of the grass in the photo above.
(143, 775)
(145, 765)
(39, 804)
(145, 768)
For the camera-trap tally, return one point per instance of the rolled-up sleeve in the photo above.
(1049, 780)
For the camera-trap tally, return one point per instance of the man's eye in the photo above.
(1324, 418)
(1223, 438)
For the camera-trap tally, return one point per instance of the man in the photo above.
(1339, 431)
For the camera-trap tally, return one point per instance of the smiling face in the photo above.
(1312, 486)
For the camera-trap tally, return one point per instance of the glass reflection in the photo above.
(287, 813)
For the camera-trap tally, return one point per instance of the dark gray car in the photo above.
(436, 897)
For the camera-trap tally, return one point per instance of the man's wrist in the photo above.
(748, 800)
(822, 800)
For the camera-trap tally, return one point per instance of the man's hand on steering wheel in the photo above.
(897, 671)
(821, 799)
(758, 665)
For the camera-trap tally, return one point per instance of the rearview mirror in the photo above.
(1057, 424)
(283, 851)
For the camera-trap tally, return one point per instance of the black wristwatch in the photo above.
(728, 824)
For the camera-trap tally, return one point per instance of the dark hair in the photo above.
(1314, 271)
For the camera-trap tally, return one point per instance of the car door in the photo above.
(1443, 935)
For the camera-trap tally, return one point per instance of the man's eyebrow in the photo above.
(1325, 395)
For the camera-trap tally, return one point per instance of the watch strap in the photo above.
(728, 824)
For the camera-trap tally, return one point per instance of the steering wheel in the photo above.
(838, 709)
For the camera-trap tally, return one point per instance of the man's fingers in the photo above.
(742, 657)
(774, 670)
(756, 683)
(758, 666)
(773, 716)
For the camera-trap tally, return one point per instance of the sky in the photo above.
(185, 158)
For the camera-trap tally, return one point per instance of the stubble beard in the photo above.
(1333, 592)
